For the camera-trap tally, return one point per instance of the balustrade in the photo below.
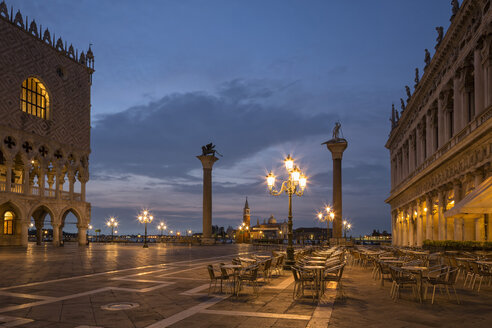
(35, 191)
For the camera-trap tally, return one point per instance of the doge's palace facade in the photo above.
(44, 130)
(441, 144)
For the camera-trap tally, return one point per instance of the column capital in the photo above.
(207, 161)
(336, 147)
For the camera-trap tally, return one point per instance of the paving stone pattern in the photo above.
(71, 285)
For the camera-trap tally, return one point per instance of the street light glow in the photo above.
(289, 163)
(270, 179)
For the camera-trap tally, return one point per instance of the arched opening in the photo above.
(42, 229)
(11, 227)
(69, 231)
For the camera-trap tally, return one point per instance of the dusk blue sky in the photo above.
(260, 79)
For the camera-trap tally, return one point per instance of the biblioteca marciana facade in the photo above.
(441, 144)
(44, 130)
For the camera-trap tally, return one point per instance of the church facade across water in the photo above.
(441, 143)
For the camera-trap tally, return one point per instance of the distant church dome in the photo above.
(272, 220)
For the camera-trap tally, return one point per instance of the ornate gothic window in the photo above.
(34, 98)
(8, 223)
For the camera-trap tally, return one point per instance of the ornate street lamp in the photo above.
(346, 227)
(294, 185)
(112, 223)
(145, 218)
(329, 217)
(161, 227)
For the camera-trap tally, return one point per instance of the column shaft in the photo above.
(207, 203)
(337, 197)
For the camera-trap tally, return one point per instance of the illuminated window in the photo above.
(34, 98)
(8, 223)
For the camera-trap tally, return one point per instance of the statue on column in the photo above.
(209, 149)
(336, 131)
(440, 35)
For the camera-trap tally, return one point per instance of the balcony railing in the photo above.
(36, 191)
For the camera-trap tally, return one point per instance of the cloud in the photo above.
(162, 138)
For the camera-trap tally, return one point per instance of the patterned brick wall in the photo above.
(22, 55)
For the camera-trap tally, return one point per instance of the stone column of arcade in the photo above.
(337, 146)
(207, 163)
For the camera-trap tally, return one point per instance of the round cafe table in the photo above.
(418, 270)
(235, 276)
(318, 271)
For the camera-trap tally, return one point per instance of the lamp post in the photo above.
(329, 217)
(113, 223)
(145, 218)
(161, 227)
(294, 185)
(89, 228)
(346, 227)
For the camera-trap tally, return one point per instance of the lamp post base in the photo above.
(145, 246)
(289, 264)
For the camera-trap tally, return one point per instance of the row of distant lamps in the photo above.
(144, 217)
(330, 216)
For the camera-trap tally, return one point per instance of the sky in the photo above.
(260, 79)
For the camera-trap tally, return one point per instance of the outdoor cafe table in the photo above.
(245, 259)
(318, 270)
(316, 262)
(485, 262)
(418, 270)
(235, 276)
(394, 261)
(465, 259)
(387, 258)
(317, 258)
(263, 256)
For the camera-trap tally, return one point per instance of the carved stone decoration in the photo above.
(47, 37)
(82, 58)
(417, 78)
(18, 19)
(409, 93)
(71, 52)
(393, 116)
(402, 102)
(455, 7)
(59, 45)
(427, 60)
(33, 28)
(3, 10)
(440, 35)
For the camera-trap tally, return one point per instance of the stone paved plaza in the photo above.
(74, 286)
